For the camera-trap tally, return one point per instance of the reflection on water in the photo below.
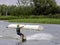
(33, 37)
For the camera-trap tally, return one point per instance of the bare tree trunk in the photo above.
(6, 12)
(18, 2)
(24, 2)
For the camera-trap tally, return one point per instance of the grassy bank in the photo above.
(31, 20)
(40, 20)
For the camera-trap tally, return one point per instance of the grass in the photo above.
(40, 20)
(7, 17)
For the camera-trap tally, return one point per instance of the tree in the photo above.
(24, 2)
(3, 10)
(12, 10)
(44, 6)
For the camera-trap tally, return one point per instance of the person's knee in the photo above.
(21, 34)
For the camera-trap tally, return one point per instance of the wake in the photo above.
(40, 36)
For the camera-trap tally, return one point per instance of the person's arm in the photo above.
(21, 26)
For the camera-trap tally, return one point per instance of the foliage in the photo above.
(45, 6)
(35, 8)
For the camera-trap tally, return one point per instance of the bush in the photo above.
(7, 17)
(54, 16)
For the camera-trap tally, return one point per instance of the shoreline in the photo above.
(31, 20)
(43, 21)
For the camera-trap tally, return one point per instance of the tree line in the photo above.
(35, 7)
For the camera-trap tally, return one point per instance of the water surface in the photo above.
(49, 36)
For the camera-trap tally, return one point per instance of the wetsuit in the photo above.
(18, 31)
(20, 34)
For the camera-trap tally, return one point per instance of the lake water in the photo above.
(49, 36)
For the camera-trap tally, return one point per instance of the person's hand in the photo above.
(21, 26)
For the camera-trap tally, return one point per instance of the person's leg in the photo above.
(23, 37)
(20, 34)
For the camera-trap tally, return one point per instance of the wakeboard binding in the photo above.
(23, 39)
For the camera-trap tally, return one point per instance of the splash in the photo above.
(40, 36)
